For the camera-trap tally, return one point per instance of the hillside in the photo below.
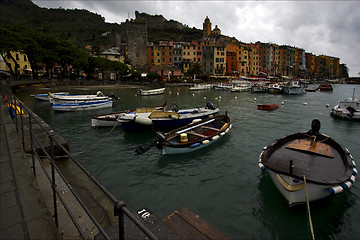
(80, 27)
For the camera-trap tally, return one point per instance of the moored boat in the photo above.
(294, 88)
(308, 161)
(197, 87)
(275, 88)
(45, 96)
(325, 87)
(191, 137)
(267, 106)
(165, 119)
(110, 119)
(348, 109)
(79, 98)
(150, 92)
(82, 106)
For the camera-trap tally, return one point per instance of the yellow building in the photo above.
(220, 59)
(188, 55)
(253, 61)
(18, 63)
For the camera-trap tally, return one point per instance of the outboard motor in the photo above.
(210, 105)
(113, 96)
(315, 126)
(99, 94)
(175, 108)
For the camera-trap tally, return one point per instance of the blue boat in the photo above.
(82, 106)
(165, 119)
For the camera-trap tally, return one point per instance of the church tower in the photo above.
(207, 27)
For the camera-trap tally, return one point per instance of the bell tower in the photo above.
(207, 27)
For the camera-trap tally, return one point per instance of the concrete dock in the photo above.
(24, 214)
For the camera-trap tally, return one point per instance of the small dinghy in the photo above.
(80, 98)
(82, 106)
(348, 109)
(308, 161)
(150, 92)
(192, 137)
(268, 106)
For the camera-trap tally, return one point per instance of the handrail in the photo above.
(119, 206)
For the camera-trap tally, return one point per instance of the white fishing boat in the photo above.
(197, 87)
(82, 106)
(240, 88)
(308, 166)
(294, 88)
(79, 98)
(348, 109)
(45, 96)
(150, 92)
(275, 88)
(224, 86)
(192, 137)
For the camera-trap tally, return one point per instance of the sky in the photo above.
(330, 28)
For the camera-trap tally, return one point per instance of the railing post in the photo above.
(31, 146)
(119, 212)
(22, 126)
(53, 183)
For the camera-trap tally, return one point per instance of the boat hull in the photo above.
(71, 107)
(294, 190)
(293, 90)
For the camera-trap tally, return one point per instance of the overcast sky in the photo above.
(321, 27)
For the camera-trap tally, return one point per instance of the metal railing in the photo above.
(18, 112)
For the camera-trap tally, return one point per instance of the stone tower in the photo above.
(207, 27)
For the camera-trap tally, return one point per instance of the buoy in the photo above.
(215, 137)
(143, 120)
(193, 94)
(204, 97)
(305, 103)
(352, 179)
(177, 93)
(327, 105)
(347, 185)
(282, 103)
(255, 99)
(205, 141)
(335, 189)
(261, 166)
(235, 97)
(196, 120)
(195, 145)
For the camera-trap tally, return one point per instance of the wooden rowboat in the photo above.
(308, 166)
(191, 137)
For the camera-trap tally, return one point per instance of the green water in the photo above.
(221, 183)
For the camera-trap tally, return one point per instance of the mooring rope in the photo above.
(92, 147)
(308, 210)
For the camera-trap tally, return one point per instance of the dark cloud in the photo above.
(321, 27)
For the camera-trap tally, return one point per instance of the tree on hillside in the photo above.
(195, 69)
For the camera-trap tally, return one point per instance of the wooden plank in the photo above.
(196, 134)
(311, 146)
(211, 128)
(190, 226)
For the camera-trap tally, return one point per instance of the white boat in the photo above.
(308, 166)
(240, 88)
(275, 88)
(294, 88)
(197, 87)
(78, 98)
(45, 96)
(151, 92)
(348, 109)
(110, 119)
(224, 86)
(82, 106)
(192, 137)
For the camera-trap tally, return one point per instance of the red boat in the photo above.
(267, 106)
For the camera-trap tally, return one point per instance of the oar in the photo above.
(198, 125)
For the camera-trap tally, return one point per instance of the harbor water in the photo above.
(221, 183)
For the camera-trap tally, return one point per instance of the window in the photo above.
(17, 56)
(25, 58)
